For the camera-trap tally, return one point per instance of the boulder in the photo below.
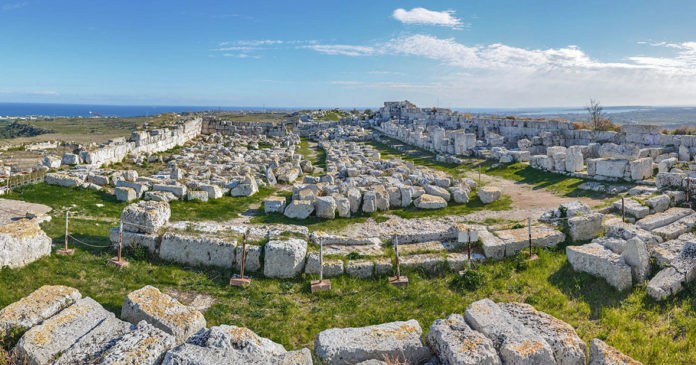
(95, 343)
(603, 354)
(22, 242)
(437, 191)
(454, 342)
(163, 312)
(325, 207)
(636, 254)
(641, 169)
(397, 340)
(489, 194)
(145, 216)
(460, 194)
(355, 199)
(342, 205)
(585, 227)
(40, 305)
(145, 345)
(597, 260)
(619, 152)
(515, 343)
(299, 209)
(369, 202)
(274, 204)
(125, 194)
(284, 258)
(568, 347)
(427, 201)
(197, 250)
(658, 203)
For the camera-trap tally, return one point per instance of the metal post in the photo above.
(688, 198)
(321, 260)
(66, 230)
(529, 228)
(623, 211)
(468, 261)
(479, 184)
(120, 240)
(244, 241)
(396, 251)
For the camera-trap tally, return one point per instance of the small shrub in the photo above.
(470, 280)
(137, 252)
(577, 125)
(354, 256)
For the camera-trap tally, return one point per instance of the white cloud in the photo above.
(424, 16)
(342, 49)
(240, 55)
(13, 6)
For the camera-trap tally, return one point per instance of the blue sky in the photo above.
(485, 53)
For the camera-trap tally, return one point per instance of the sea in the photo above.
(90, 110)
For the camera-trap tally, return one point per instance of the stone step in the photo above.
(144, 345)
(662, 219)
(632, 208)
(676, 229)
(595, 259)
(515, 343)
(163, 312)
(97, 341)
(516, 240)
(41, 344)
(36, 307)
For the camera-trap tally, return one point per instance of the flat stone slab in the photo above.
(516, 344)
(665, 283)
(493, 247)
(458, 260)
(430, 246)
(95, 343)
(36, 307)
(454, 342)
(662, 219)
(603, 354)
(397, 340)
(22, 242)
(595, 259)
(233, 345)
(145, 216)
(41, 344)
(676, 229)
(163, 312)
(518, 239)
(617, 229)
(16, 209)
(428, 262)
(145, 345)
(632, 208)
(568, 347)
(371, 250)
(665, 252)
(197, 250)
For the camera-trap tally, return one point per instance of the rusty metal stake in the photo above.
(65, 251)
(397, 280)
(623, 211)
(532, 257)
(241, 280)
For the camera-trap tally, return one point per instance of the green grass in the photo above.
(316, 155)
(286, 312)
(333, 116)
(220, 209)
(473, 205)
(77, 200)
(560, 184)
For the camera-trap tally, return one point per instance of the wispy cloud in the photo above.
(422, 16)
(239, 55)
(342, 49)
(13, 6)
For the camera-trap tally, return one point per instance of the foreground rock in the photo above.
(162, 311)
(454, 342)
(233, 345)
(145, 216)
(489, 194)
(396, 340)
(603, 354)
(145, 345)
(515, 343)
(595, 259)
(37, 307)
(427, 201)
(22, 242)
(284, 258)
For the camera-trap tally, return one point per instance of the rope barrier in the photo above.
(88, 244)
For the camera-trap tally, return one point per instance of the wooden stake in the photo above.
(623, 211)
(321, 284)
(65, 251)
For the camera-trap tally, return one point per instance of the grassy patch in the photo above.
(286, 311)
(79, 201)
(473, 205)
(220, 209)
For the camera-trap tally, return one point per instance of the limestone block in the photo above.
(641, 169)
(22, 242)
(636, 254)
(460, 194)
(516, 344)
(585, 227)
(125, 194)
(252, 260)
(146, 345)
(140, 188)
(362, 269)
(603, 354)
(342, 205)
(493, 247)
(619, 152)
(95, 343)
(70, 159)
(284, 258)
(427, 201)
(574, 161)
(394, 196)
(406, 196)
(396, 340)
(148, 241)
(325, 207)
(489, 194)
(454, 342)
(458, 261)
(64, 180)
(573, 209)
(632, 208)
(213, 191)
(162, 311)
(42, 344)
(196, 250)
(299, 209)
(274, 204)
(659, 203)
(36, 307)
(431, 263)
(665, 283)
(355, 198)
(178, 190)
(568, 347)
(331, 267)
(611, 168)
(597, 260)
(145, 216)
(666, 164)
(369, 202)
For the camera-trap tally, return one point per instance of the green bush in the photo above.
(470, 280)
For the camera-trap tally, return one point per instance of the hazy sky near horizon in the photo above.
(484, 53)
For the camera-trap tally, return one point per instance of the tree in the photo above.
(596, 116)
